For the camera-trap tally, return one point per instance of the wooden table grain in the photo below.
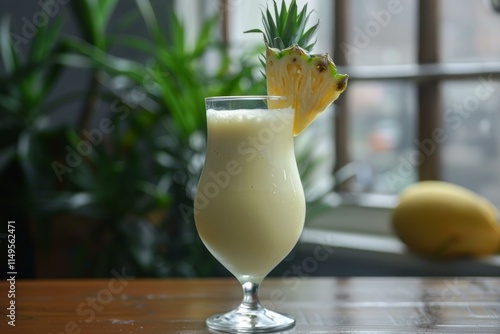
(320, 305)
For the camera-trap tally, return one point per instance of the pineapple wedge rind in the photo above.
(310, 82)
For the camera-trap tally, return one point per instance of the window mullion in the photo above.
(224, 14)
(429, 116)
(341, 119)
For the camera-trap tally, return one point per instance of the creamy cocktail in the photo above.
(249, 206)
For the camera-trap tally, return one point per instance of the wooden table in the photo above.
(320, 305)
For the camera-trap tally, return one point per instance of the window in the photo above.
(428, 75)
(424, 94)
(471, 155)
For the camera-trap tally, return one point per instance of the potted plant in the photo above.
(112, 192)
(113, 189)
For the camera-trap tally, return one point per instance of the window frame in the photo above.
(427, 74)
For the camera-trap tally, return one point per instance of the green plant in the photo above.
(128, 176)
(115, 188)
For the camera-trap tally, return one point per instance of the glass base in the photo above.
(250, 321)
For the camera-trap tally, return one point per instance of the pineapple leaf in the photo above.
(254, 30)
(289, 33)
(280, 19)
(306, 38)
(262, 61)
(302, 20)
(287, 27)
(273, 32)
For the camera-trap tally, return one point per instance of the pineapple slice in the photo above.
(310, 82)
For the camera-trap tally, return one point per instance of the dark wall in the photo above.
(26, 15)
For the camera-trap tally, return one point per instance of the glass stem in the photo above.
(250, 297)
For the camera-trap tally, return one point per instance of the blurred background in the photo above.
(102, 123)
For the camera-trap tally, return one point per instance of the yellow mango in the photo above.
(440, 220)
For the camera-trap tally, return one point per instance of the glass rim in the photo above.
(245, 98)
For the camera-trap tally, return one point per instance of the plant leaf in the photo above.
(149, 18)
(86, 20)
(106, 8)
(45, 40)
(6, 50)
(289, 26)
(307, 36)
(204, 36)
